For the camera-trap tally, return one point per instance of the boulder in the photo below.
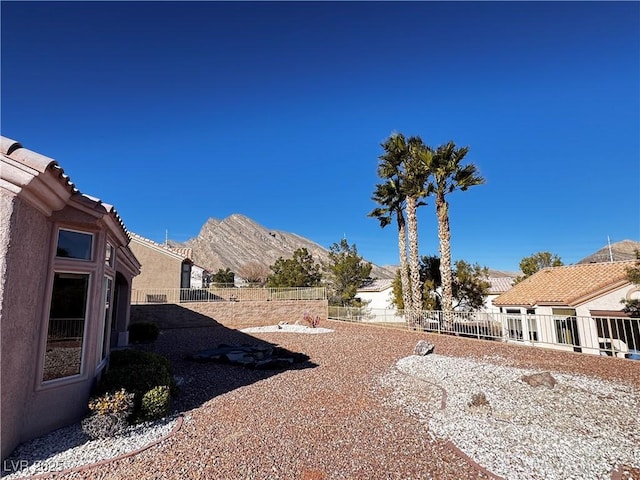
(250, 356)
(423, 348)
(544, 379)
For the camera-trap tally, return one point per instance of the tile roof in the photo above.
(43, 182)
(569, 285)
(500, 284)
(182, 253)
(377, 285)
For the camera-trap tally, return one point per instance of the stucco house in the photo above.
(164, 271)
(65, 283)
(576, 307)
(377, 293)
(497, 286)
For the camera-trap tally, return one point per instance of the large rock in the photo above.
(250, 356)
(544, 379)
(423, 348)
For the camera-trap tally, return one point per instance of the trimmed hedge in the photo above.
(143, 332)
(156, 403)
(139, 373)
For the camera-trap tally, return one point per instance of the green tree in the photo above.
(470, 285)
(536, 262)
(223, 277)
(346, 272)
(447, 175)
(299, 271)
(632, 306)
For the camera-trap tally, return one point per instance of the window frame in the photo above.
(104, 338)
(83, 347)
(82, 232)
(95, 268)
(513, 319)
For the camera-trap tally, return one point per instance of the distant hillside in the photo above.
(237, 240)
(624, 250)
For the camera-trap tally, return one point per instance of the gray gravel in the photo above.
(69, 447)
(582, 428)
(286, 328)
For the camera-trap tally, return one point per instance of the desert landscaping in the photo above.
(364, 406)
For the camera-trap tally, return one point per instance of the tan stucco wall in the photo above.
(24, 248)
(27, 239)
(234, 314)
(158, 270)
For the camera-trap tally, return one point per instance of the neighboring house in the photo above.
(163, 267)
(378, 296)
(199, 276)
(498, 286)
(377, 293)
(576, 305)
(65, 284)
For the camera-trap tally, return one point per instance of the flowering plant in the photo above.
(117, 402)
(311, 320)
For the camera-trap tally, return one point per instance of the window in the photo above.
(514, 324)
(564, 330)
(532, 322)
(106, 338)
(109, 256)
(566, 325)
(65, 332)
(185, 280)
(74, 245)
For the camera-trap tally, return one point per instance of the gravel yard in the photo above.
(363, 407)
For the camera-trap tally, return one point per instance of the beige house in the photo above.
(163, 267)
(497, 286)
(574, 307)
(65, 285)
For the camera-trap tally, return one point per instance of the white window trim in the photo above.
(83, 374)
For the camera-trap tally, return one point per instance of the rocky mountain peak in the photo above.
(238, 240)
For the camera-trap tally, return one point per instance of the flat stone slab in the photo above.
(250, 356)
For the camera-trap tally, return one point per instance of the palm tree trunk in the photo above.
(444, 236)
(404, 265)
(414, 262)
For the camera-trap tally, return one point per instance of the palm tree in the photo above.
(406, 174)
(414, 177)
(447, 175)
(389, 195)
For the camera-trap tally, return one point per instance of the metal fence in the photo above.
(65, 328)
(611, 336)
(225, 294)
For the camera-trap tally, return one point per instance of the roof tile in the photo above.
(568, 285)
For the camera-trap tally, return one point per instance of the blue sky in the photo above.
(180, 111)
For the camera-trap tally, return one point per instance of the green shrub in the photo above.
(143, 332)
(156, 403)
(137, 372)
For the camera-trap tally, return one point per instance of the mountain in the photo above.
(237, 240)
(624, 250)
